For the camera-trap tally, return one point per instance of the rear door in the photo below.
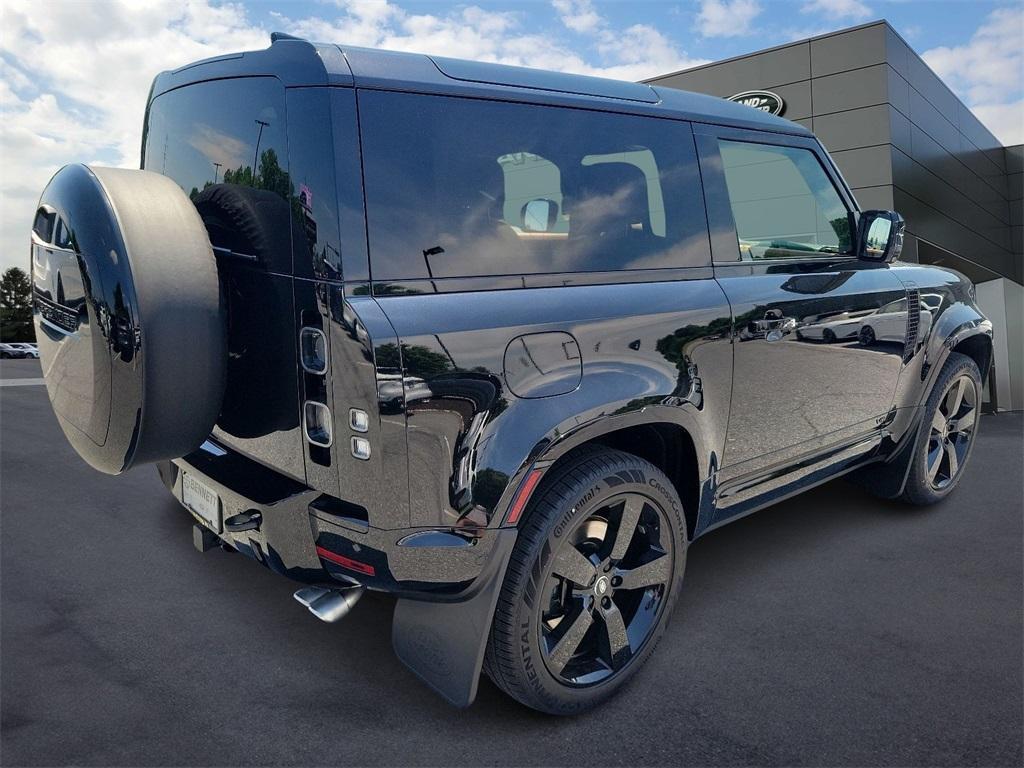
(782, 229)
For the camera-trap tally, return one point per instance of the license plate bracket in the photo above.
(202, 501)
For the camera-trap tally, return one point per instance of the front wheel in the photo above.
(949, 427)
(595, 572)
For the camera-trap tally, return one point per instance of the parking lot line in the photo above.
(22, 382)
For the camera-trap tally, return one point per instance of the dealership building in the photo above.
(903, 141)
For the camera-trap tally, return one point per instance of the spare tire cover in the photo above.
(128, 317)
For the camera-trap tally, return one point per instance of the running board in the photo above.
(329, 605)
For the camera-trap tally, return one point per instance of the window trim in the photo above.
(721, 223)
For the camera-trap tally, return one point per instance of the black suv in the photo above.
(500, 342)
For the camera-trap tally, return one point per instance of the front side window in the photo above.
(461, 187)
(783, 203)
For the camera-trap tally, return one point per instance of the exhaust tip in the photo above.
(329, 605)
(335, 605)
(309, 595)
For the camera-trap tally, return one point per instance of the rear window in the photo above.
(461, 187)
(223, 132)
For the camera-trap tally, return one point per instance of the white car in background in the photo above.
(889, 322)
(832, 328)
(12, 351)
(29, 350)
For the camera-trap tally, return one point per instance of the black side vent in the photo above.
(913, 321)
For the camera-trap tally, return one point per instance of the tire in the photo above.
(866, 336)
(577, 510)
(129, 318)
(949, 426)
(828, 336)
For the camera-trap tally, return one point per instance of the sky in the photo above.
(74, 76)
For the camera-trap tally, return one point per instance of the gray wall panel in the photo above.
(874, 198)
(897, 52)
(850, 90)
(899, 128)
(859, 47)
(764, 70)
(865, 166)
(928, 84)
(856, 128)
(1015, 158)
(935, 124)
(899, 91)
(980, 136)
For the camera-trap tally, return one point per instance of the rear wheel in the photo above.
(596, 570)
(866, 336)
(949, 427)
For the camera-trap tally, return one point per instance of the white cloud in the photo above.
(578, 15)
(471, 32)
(74, 83)
(988, 72)
(727, 18)
(74, 76)
(1006, 121)
(838, 9)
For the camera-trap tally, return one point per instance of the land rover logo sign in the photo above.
(766, 101)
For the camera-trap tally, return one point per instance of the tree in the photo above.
(16, 306)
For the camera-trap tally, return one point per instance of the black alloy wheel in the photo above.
(952, 431)
(606, 589)
(949, 427)
(597, 567)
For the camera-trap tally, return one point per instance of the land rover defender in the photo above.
(500, 342)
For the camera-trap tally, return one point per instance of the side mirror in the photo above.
(539, 215)
(880, 235)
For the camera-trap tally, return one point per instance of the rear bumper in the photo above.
(311, 538)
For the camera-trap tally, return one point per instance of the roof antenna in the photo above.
(275, 36)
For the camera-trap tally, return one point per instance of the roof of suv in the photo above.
(300, 63)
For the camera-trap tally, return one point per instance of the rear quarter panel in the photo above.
(650, 352)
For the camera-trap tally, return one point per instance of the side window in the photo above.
(783, 202)
(462, 187)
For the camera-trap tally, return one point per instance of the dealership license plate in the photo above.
(201, 500)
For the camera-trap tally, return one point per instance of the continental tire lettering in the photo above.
(566, 518)
(653, 482)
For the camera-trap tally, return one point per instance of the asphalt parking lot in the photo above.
(831, 629)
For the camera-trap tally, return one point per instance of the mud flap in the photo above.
(888, 479)
(443, 643)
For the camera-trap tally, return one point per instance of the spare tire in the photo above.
(262, 388)
(132, 346)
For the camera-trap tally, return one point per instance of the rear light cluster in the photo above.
(317, 421)
(359, 421)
